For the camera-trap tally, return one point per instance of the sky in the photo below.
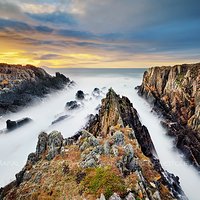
(99, 33)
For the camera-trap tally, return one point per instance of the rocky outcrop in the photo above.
(71, 105)
(80, 95)
(16, 124)
(113, 157)
(175, 93)
(20, 85)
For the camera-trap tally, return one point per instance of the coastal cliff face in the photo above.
(112, 158)
(21, 84)
(175, 92)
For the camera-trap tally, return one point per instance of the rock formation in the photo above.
(112, 158)
(175, 92)
(20, 85)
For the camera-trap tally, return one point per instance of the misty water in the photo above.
(16, 145)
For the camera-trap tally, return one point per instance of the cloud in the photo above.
(55, 18)
(115, 30)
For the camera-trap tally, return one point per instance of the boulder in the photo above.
(11, 125)
(55, 141)
(96, 92)
(80, 95)
(115, 196)
(61, 118)
(130, 196)
(41, 144)
(118, 138)
(71, 105)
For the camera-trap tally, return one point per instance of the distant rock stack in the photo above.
(175, 93)
(112, 158)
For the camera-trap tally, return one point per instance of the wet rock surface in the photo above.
(113, 157)
(11, 125)
(20, 85)
(71, 105)
(175, 94)
(80, 95)
(59, 119)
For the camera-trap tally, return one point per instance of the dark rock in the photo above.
(19, 177)
(96, 92)
(16, 124)
(65, 168)
(80, 176)
(71, 105)
(61, 118)
(32, 159)
(80, 95)
(24, 84)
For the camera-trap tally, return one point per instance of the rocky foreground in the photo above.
(20, 85)
(112, 158)
(175, 92)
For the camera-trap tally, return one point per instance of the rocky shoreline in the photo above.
(21, 85)
(174, 93)
(113, 158)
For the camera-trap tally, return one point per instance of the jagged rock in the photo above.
(38, 177)
(89, 140)
(175, 93)
(156, 195)
(55, 141)
(19, 177)
(107, 147)
(94, 170)
(115, 150)
(128, 158)
(61, 118)
(115, 196)
(42, 144)
(20, 85)
(96, 92)
(118, 138)
(32, 158)
(130, 196)
(68, 141)
(71, 105)
(102, 197)
(27, 176)
(11, 125)
(127, 164)
(89, 161)
(131, 135)
(80, 95)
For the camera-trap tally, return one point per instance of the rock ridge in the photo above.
(175, 93)
(20, 85)
(112, 158)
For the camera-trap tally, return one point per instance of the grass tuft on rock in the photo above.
(103, 180)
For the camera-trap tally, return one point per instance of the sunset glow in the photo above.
(76, 33)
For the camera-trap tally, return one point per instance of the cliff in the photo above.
(175, 92)
(20, 85)
(112, 158)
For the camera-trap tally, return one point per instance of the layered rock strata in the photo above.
(112, 158)
(175, 93)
